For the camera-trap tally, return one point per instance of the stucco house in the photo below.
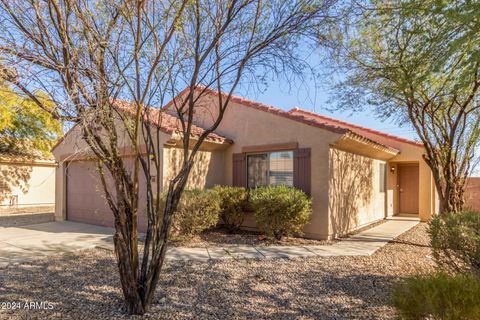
(27, 183)
(355, 175)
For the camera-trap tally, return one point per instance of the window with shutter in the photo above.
(239, 170)
(270, 169)
(302, 169)
(291, 168)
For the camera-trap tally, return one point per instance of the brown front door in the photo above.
(408, 188)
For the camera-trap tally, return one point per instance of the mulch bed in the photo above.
(221, 237)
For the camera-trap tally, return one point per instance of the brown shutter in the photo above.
(302, 170)
(239, 168)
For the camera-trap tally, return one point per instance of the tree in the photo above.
(418, 61)
(89, 54)
(24, 127)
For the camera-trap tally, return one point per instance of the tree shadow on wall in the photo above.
(350, 188)
(199, 173)
(13, 177)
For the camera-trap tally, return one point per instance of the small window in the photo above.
(270, 169)
(382, 169)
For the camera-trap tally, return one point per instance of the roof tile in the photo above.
(355, 128)
(309, 118)
(168, 123)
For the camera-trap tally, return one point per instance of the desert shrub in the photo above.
(233, 203)
(455, 240)
(280, 210)
(197, 211)
(438, 296)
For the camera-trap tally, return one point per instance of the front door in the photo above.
(408, 188)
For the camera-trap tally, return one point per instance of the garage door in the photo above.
(86, 201)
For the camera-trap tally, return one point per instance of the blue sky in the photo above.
(315, 99)
(312, 93)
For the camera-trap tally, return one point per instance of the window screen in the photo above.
(274, 169)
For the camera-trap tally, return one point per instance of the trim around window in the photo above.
(270, 168)
(270, 147)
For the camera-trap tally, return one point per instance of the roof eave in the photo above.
(220, 141)
(358, 144)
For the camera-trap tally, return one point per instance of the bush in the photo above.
(233, 203)
(198, 210)
(438, 296)
(280, 210)
(455, 240)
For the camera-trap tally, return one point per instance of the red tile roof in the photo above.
(307, 117)
(168, 123)
(312, 119)
(355, 128)
(280, 112)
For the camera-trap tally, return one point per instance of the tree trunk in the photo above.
(126, 250)
(128, 276)
(176, 187)
(453, 199)
(450, 189)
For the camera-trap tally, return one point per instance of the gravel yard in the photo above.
(86, 286)
(221, 237)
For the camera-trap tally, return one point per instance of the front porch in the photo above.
(410, 191)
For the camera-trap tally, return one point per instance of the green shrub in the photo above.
(197, 211)
(233, 203)
(455, 240)
(438, 296)
(280, 210)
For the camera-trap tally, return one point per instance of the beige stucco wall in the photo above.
(409, 153)
(31, 183)
(355, 198)
(249, 127)
(74, 148)
(207, 170)
(428, 201)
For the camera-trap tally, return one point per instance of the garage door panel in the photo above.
(86, 200)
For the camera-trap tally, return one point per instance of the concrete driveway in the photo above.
(26, 243)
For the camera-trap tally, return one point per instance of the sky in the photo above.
(316, 99)
(313, 98)
(313, 94)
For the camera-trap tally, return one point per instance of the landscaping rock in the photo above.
(85, 285)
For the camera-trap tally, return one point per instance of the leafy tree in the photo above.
(418, 61)
(24, 127)
(88, 54)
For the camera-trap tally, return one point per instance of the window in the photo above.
(270, 169)
(381, 170)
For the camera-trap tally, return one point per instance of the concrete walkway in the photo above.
(364, 243)
(24, 244)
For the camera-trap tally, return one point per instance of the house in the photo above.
(355, 175)
(27, 183)
(472, 193)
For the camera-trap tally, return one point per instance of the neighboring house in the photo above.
(472, 193)
(27, 183)
(355, 175)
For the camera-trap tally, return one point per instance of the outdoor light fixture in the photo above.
(392, 169)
